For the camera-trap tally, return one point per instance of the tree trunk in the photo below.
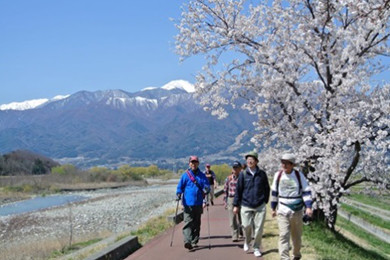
(331, 221)
(319, 215)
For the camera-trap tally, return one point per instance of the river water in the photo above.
(38, 203)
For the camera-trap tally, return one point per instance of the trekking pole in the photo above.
(208, 220)
(173, 231)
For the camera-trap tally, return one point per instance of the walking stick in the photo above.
(208, 219)
(173, 231)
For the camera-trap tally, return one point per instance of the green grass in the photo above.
(69, 249)
(380, 201)
(334, 246)
(369, 238)
(372, 219)
(153, 227)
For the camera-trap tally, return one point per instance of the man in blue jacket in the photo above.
(252, 195)
(194, 186)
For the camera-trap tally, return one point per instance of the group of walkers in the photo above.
(247, 191)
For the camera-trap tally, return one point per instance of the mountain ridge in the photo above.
(160, 126)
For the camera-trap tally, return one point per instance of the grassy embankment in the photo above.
(371, 216)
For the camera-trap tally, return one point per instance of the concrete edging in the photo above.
(119, 250)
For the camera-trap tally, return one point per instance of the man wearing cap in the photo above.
(250, 201)
(290, 192)
(192, 189)
(210, 175)
(229, 191)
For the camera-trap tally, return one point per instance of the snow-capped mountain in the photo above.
(175, 84)
(30, 104)
(119, 97)
(153, 126)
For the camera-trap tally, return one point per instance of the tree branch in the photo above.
(364, 179)
(352, 167)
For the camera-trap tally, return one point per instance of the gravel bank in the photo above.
(104, 213)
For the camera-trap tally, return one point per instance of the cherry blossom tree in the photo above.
(307, 70)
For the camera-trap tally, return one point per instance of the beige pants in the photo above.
(253, 217)
(290, 225)
(234, 220)
(211, 194)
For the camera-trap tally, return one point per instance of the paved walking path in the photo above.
(218, 246)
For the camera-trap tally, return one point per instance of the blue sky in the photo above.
(58, 47)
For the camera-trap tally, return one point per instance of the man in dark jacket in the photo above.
(252, 195)
(194, 186)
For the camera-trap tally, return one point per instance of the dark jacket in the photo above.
(252, 190)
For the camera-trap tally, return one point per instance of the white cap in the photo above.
(288, 157)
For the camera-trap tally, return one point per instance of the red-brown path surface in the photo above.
(221, 245)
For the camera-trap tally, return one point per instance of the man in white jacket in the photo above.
(290, 193)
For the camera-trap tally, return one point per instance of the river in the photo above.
(38, 203)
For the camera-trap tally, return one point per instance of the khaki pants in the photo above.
(211, 194)
(290, 224)
(256, 217)
(234, 220)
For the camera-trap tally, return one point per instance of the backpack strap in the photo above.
(192, 178)
(278, 180)
(298, 178)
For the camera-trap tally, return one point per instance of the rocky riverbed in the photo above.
(103, 213)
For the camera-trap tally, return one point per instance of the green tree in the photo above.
(38, 167)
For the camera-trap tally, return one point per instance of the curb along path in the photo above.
(218, 246)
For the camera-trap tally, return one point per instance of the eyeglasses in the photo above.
(286, 162)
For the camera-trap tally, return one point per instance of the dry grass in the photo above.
(44, 248)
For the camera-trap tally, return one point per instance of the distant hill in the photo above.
(24, 162)
(160, 126)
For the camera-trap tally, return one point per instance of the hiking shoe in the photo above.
(246, 247)
(188, 246)
(257, 252)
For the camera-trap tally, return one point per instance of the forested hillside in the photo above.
(25, 162)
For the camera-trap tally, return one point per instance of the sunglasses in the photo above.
(194, 162)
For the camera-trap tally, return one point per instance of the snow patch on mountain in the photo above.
(149, 88)
(141, 101)
(117, 96)
(30, 104)
(175, 84)
(180, 84)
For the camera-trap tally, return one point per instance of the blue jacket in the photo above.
(192, 195)
(252, 190)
